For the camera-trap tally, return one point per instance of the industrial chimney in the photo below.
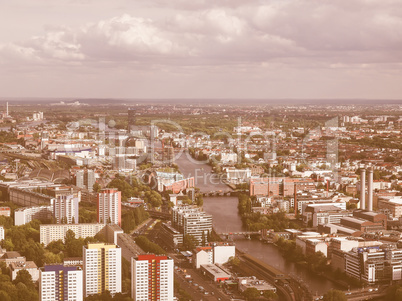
(363, 189)
(370, 188)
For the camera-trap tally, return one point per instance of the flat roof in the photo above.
(215, 270)
(354, 219)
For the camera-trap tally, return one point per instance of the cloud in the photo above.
(239, 32)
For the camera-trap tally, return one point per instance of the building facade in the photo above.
(65, 209)
(102, 269)
(190, 220)
(152, 278)
(58, 282)
(109, 206)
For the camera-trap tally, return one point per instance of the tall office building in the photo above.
(102, 268)
(65, 209)
(152, 278)
(58, 282)
(85, 179)
(109, 206)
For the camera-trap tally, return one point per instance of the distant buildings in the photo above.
(109, 206)
(85, 179)
(102, 269)
(152, 278)
(58, 282)
(279, 186)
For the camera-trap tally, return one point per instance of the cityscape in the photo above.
(217, 202)
(200, 150)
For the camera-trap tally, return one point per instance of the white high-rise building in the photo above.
(65, 209)
(109, 206)
(190, 220)
(102, 268)
(152, 278)
(58, 282)
(1, 233)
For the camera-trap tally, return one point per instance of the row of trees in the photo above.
(131, 218)
(148, 246)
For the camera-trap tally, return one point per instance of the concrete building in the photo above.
(85, 179)
(28, 198)
(392, 205)
(109, 206)
(215, 253)
(53, 232)
(23, 216)
(58, 282)
(215, 272)
(65, 209)
(190, 220)
(170, 236)
(152, 278)
(102, 269)
(29, 266)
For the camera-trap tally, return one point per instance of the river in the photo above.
(226, 219)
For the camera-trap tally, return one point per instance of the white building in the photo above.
(190, 220)
(65, 208)
(25, 215)
(53, 232)
(109, 206)
(58, 282)
(152, 278)
(1, 233)
(102, 268)
(213, 254)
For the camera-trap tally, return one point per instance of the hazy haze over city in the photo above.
(201, 49)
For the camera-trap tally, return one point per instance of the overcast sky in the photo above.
(201, 48)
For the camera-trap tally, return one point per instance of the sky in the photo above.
(265, 49)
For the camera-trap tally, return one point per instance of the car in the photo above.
(206, 293)
(370, 290)
(376, 289)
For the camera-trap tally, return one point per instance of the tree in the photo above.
(270, 295)
(203, 242)
(334, 295)
(96, 187)
(24, 277)
(189, 242)
(251, 293)
(234, 261)
(4, 296)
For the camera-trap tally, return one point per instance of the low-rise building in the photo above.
(215, 272)
(29, 266)
(253, 282)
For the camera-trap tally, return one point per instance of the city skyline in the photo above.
(234, 49)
